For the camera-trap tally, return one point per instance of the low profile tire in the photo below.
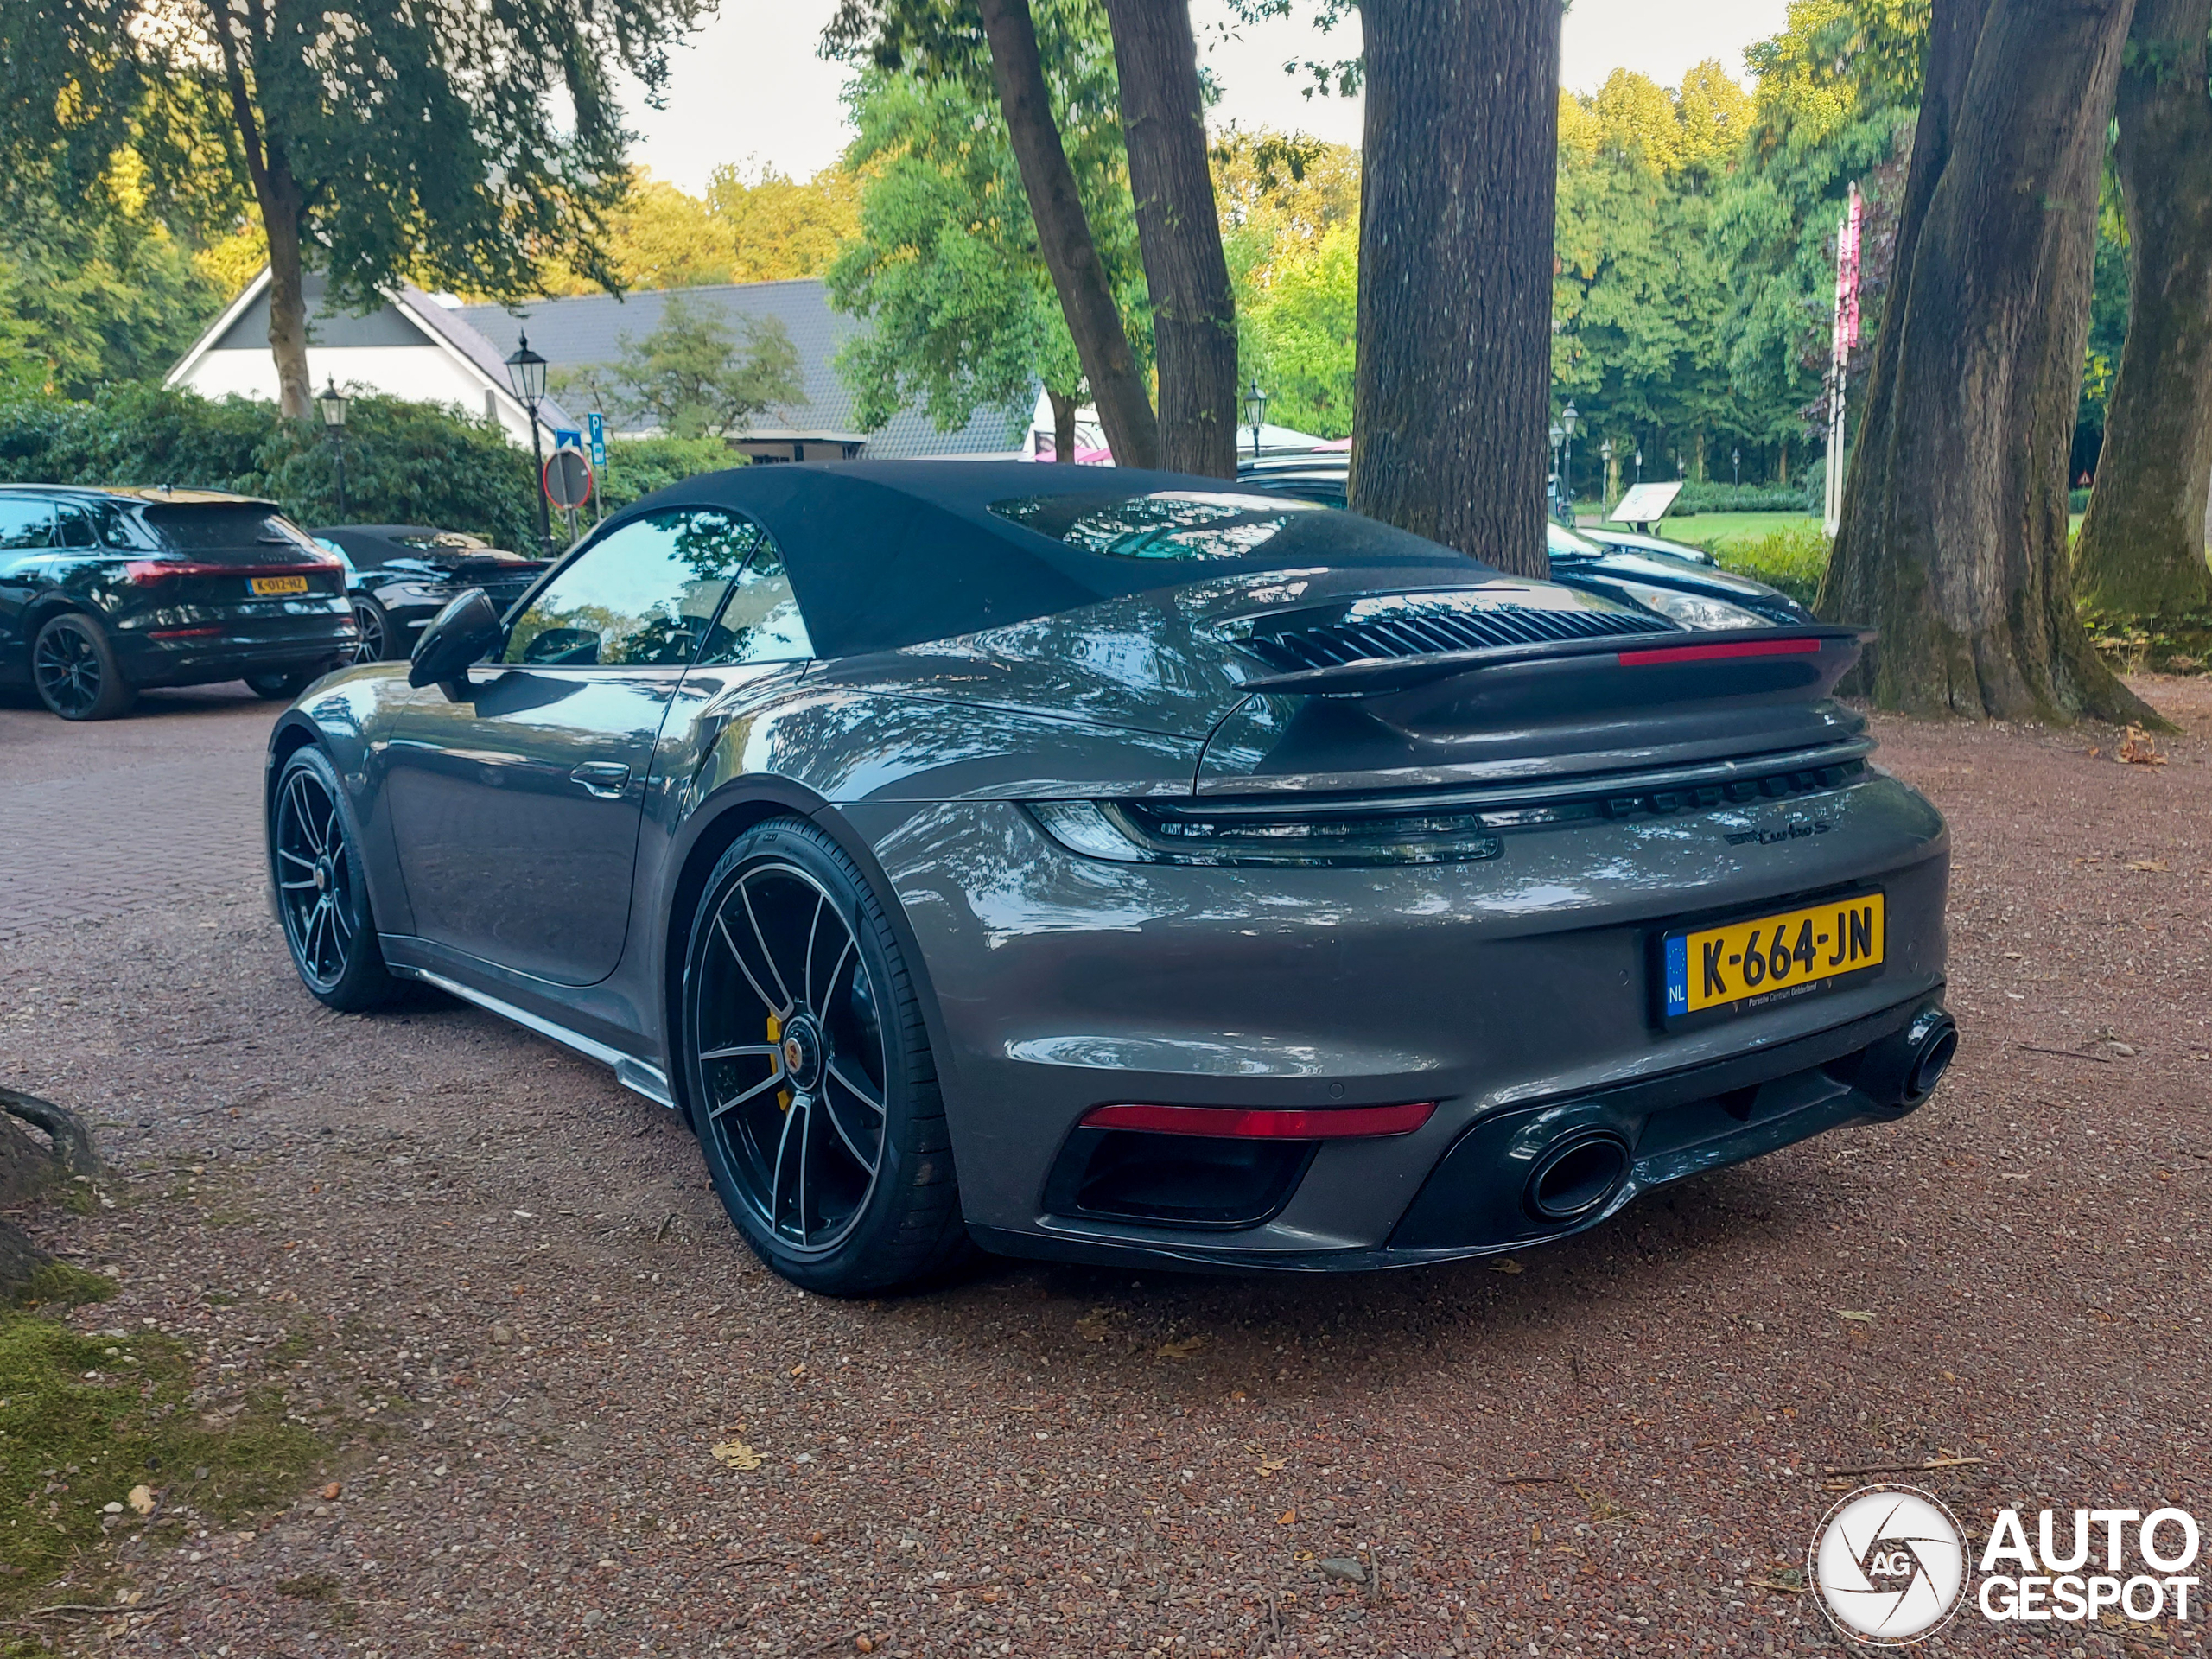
(809, 1068)
(375, 625)
(278, 688)
(322, 893)
(75, 669)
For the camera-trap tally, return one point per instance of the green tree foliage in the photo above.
(467, 144)
(946, 271)
(1640, 294)
(94, 285)
(693, 376)
(405, 462)
(1289, 207)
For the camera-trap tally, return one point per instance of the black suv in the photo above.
(106, 592)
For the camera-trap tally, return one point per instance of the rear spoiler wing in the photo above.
(1795, 663)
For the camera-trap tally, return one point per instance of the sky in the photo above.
(750, 88)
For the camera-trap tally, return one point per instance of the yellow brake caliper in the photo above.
(775, 1041)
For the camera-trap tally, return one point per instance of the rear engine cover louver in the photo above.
(1432, 631)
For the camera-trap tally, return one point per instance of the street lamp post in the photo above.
(526, 370)
(1567, 418)
(1256, 415)
(1736, 459)
(1558, 437)
(331, 402)
(1605, 454)
(1639, 463)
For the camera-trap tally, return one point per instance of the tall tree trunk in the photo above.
(282, 204)
(288, 306)
(1451, 387)
(2141, 551)
(1952, 543)
(1063, 237)
(1193, 313)
(1064, 408)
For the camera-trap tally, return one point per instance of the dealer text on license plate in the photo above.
(264, 587)
(1750, 964)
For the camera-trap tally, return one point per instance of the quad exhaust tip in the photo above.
(1577, 1175)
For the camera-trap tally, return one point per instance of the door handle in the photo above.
(606, 778)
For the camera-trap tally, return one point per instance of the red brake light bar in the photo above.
(1328, 1123)
(142, 572)
(1718, 651)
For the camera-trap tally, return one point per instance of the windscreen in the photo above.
(233, 532)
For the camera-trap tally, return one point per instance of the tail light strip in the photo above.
(1234, 1122)
(1718, 652)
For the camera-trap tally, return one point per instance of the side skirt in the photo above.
(630, 1071)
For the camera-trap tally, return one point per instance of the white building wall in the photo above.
(424, 373)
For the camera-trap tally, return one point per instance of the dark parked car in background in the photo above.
(399, 576)
(104, 593)
(1123, 867)
(1644, 570)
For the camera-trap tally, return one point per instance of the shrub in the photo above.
(637, 467)
(2077, 500)
(405, 462)
(1792, 559)
(1749, 498)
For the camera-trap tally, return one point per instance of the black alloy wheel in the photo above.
(321, 890)
(376, 631)
(75, 671)
(809, 1070)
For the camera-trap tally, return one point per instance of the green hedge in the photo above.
(1793, 560)
(637, 466)
(1749, 498)
(406, 463)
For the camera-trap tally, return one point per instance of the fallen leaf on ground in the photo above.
(736, 1454)
(2154, 866)
(1846, 1313)
(330, 1492)
(1272, 1466)
(142, 1499)
(2138, 750)
(1288, 1517)
(1091, 1327)
(1509, 1265)
(1183, 1350)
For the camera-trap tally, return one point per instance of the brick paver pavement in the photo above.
(103, 817)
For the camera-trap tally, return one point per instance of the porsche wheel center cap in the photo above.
(803, 1052)
(323, 873)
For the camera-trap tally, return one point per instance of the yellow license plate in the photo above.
(264, 587)
(1764, 960)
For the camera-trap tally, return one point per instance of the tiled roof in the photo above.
(586, 328)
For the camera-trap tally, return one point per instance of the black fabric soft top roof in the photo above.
(887, 554)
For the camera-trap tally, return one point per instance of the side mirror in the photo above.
(462, 634)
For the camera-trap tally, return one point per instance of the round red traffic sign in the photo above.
(568, 478)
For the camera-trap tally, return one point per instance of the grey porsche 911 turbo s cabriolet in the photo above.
(1119, 867)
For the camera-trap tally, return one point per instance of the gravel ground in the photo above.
(571, 1415)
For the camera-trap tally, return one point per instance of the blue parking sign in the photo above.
(596, 424)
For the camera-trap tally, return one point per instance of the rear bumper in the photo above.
(310, 636)
(1517, 993)
(1476, 1200)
